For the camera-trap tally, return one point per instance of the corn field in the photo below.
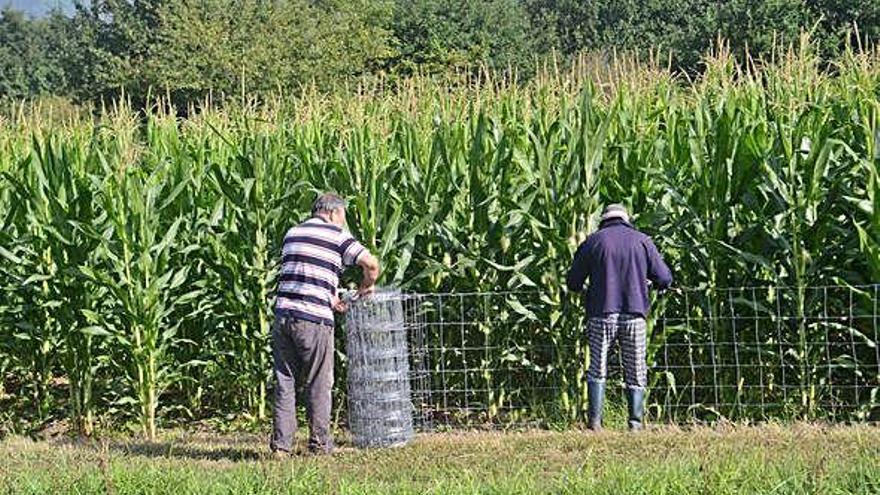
(138, 250)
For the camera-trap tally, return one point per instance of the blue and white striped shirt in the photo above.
(313, 255)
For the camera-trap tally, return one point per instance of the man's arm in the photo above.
(370, 265)
(577, 275)
(354, 253)
(658, 273)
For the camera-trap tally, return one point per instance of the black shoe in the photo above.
(280, 455)
(318, 449)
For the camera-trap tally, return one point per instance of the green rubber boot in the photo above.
(635, 398)
(596, 396)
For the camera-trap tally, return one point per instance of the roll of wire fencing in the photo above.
(380, 409)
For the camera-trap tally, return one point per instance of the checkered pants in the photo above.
(630, 331)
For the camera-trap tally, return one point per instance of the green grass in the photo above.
(769, 459)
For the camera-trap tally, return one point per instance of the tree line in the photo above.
(196, 49)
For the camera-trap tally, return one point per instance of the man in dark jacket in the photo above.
(619, 261)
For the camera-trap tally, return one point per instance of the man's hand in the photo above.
(370, 266)
(671, 290)
(338, 304)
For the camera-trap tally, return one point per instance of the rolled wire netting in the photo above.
(380, 410)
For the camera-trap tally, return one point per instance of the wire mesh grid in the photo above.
(378, 379)
(476, 360)
(768, 352)
(740, 353)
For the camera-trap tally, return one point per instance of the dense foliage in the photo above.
(222, 48)
(138, 250)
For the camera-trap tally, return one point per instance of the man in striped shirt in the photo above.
(313, 255)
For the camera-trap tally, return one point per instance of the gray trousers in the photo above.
(630, 330)
(302, 352)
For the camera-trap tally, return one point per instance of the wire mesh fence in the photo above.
(479, 359)
(739, 353)
(765, 352)
(379, 397)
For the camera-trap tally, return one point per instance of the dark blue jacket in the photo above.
(619, 260)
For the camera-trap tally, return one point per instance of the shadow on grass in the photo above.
(234, 448)
(173, 450)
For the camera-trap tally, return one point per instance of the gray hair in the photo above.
(328, 202)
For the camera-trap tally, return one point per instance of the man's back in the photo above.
(618, 260)
(313, 255)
